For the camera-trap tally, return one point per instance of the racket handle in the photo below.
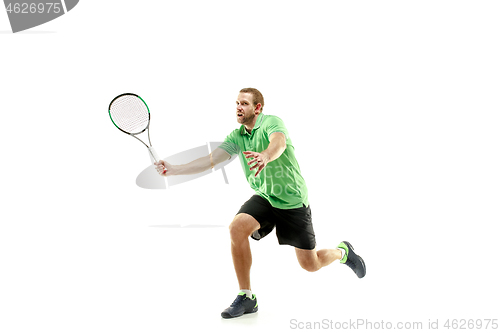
(153, 153)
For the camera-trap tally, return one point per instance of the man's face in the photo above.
(245, 110)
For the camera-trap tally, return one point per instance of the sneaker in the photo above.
(241, 305)
(351, 259)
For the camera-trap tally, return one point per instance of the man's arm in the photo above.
(196, 166)
(277, 145)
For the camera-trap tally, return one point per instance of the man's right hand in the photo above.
(164, 168)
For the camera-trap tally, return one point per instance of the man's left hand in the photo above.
(259, 161)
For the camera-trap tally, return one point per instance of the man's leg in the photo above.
(240, 229)
(312, 260)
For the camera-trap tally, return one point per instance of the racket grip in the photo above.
(155, 157)
(153, 153)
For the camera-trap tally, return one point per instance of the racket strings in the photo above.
(130, 114)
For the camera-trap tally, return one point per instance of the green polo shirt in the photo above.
(280, 182)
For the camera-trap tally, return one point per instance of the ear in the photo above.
(258, 107)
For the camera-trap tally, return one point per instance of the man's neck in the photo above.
(250, 127)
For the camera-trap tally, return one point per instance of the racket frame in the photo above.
(150, 147)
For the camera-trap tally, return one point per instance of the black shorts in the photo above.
(293, 226)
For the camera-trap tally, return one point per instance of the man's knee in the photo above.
(309, 266)
(308, 260)
(242, 227)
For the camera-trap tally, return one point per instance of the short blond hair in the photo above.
(257, 96)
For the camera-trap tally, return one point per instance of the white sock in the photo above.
(343, 252)
(247, 292)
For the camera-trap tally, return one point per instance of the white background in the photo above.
(393, 109)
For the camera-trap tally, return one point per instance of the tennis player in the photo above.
(280, 201)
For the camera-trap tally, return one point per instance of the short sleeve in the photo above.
(275, 124)
(229, 144)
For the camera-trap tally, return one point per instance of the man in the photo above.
(268, 160)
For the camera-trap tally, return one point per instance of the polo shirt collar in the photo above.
(260, 118)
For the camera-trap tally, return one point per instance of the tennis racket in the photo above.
(130, 114)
